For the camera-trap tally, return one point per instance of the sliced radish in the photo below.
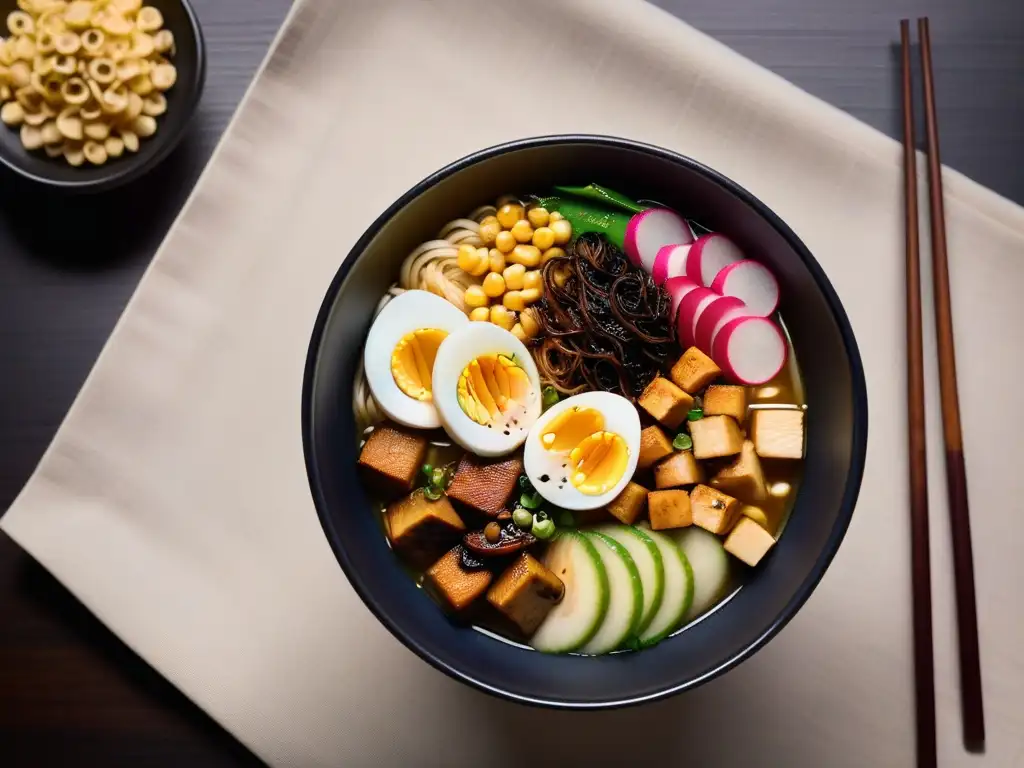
(752, 283)
(708, 256)
(670, 262)
(677, 288)
(751, 350)
(652, 230)
(715, 315)
(690, 308)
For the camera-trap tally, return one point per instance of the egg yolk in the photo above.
(493, 389)
(599, 462)
(568, 429)
(412, 360)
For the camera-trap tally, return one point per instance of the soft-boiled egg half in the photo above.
(583, 451)
(400, 351)
(486, 389)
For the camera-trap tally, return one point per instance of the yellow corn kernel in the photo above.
(475, 296)
(543, 238)
(505, 242)
(496, 259)
(531, 325)
(522, 231)
(562, 231)
(530, 295)
(538, 217)
(514, 275)
(555, 216)
(533, 279)
(518, 332)
(527, 255)
(494, 285)
(489, 229)
(467, 258)
(552, 253)
(509, 214)
(480, 314)
(501, 316)
(513, 300)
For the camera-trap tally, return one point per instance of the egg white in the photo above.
(455, 353)
(407, 312)
(620, 417)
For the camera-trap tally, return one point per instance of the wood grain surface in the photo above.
(70, 692)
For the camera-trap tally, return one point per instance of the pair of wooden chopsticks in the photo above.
(956, 477)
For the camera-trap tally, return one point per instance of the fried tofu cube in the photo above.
(761, 517)
(666, 402)
(526, 592)
(713, 510)
(744, 478)
(749, 541)
(669, 509)
(694, 370)
(483, 484)
(654, 446)
(458, 586)
(726, 400)
(679, 469)
(715, 437)
(421, 529)
(628, 506)
(778, 433)
(391, 457)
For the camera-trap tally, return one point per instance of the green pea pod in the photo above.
(586, 217)
(603, 195)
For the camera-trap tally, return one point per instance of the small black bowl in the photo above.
(836, 440)
(190, 60)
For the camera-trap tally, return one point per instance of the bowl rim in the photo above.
(129, 172)
(858, 435)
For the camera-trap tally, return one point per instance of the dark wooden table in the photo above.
(70, 692)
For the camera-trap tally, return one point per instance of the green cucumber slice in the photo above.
(647, 558)
(625, 597)
(712, 571)
(576, 619)
(678, 590)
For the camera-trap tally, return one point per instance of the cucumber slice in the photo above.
(710, 563)
(678, 590)
(625, 596)
(576, 619)
(647, 557)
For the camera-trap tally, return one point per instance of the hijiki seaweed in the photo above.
(607, 326)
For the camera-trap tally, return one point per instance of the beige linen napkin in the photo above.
(174, 500)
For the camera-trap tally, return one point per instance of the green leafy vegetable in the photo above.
(548, 397)
(683, 442)
(603, 195)
(590, 217)
(531, 500)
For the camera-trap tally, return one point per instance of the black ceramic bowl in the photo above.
(189, 58)
(836, 439)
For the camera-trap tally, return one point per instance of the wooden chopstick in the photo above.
(924, 672)
(956, 475)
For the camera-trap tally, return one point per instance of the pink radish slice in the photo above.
(708, 256)
(670, 262)
(677, 288)
(690, 308)
(750, 350)
(752, 283)
(715, 316)
(650, 231)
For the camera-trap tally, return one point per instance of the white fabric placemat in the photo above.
(174, 501)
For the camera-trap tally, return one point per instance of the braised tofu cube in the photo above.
(669, 509)
(726, 400)
(744, 478)
(715, 437)
(628, 506)
(420, 529)
(678, 469)
(666, 402)
(391, 458)
(749, 541)
(457, 585)
(525, 593)
(713, 510)
(760, 516)
(778, 433)
(694, 370)
(654, 446)
(484, 485)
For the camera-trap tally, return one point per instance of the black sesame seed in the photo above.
(507, 432)
(544, 478)
(565, 480)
